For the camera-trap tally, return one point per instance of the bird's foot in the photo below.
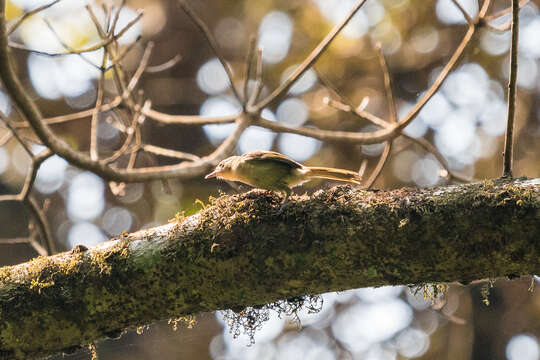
(283, 205)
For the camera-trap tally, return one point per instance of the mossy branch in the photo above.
(241, 251)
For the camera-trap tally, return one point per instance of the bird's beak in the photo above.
(213, 174)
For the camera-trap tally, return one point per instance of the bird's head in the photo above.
(224, 169)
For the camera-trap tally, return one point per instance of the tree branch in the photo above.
(512, 87)
(282, 89)
(241, 251)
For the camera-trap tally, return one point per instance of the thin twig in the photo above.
(33, 116)
(112, 29)
(281, 90)
(467, 17)
(6, 122)
(126, 50)
(107, 10)
(94, 124)
(258, 79)
(73, 116)
(363, 167)
(73, 51)
(42, 224)
(40, 250)
(14, 241)
(212, 42)
(188, 119)
(504, 27)
(512, 87)
(5, 138)
(156, 150)
(503, 12)
(344, 105)
(393, 117)
(165, 66)
(130, 133)
(249, 62)
(67, 47)
(426, 145)
(140, 69)
(37, 160)
(27, 14)
(117, 71)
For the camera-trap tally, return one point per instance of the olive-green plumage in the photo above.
(273, 171)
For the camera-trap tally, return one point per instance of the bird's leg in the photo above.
(237, 187)
(285, 201)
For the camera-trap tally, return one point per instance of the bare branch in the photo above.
(467, 17)
(258, 79)
(392, 109)
(112, 29)
(343, 104)
(94, 155)
(71, 50)
(140, 69)
(40, 250)
(281, 90)
(363, 167)
(117, 71)
(27, 14)
(212, 42)
(249, 62)
(42, 224)
(503, 12)
(73, 116)
(60, 147)
(5, 138)
(13, 241)
(37, 160)
(512, 87)
(426, 145)
(188, 119)
(165, 66)
(137, 119)
(358, 112)
(156, 150)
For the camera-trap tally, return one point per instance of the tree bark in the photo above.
(240, 251)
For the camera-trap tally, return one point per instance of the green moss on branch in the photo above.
(240, 251)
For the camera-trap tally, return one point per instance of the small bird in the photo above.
(270, 170)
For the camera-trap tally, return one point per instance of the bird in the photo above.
(273, 171)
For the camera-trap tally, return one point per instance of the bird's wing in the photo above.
(271, 156)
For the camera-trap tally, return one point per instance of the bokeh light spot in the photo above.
(448, 13)
(212, 78)
(361, 325)
(304, 83)
(292, 112)
(523, 347)
(51, 175)
(256, 138)
(84, 233)
(275, 32)
(412, 343)
(298, 147)
(4, 160)
(86, 198)
(219, 106)
(116, 220)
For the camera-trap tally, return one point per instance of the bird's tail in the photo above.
(334, 174)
